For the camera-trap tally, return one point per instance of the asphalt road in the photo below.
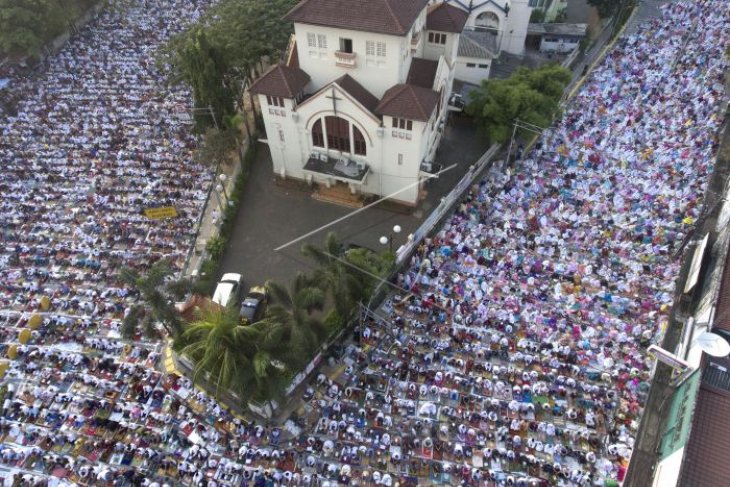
(272, 215)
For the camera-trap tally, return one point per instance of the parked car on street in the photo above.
(228, 289)
(254, 305)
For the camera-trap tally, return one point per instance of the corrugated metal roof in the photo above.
(477, 44)
(717, 376)
(575, 30)
(722, 310)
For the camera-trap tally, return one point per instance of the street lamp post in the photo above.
(219, 191)
(222, 178)
(389, 239)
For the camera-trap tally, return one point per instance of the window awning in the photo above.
(341, 168)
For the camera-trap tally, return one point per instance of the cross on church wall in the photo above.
(334, 99)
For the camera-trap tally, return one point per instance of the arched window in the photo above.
(359, 141)
(338, 133)
(317, 135)
(487, 20)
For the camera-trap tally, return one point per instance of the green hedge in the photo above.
(216, 246)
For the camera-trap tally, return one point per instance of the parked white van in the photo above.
(227, 289)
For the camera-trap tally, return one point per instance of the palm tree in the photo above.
(235, 356)
(158, 291)
(290, 319)
(334, 276)
(349, 275)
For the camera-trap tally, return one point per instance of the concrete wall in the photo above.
(516, 31)
(512, 28)
(472, 74)
(433, 51)
(562, 45)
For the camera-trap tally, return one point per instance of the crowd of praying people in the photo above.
(513, 354)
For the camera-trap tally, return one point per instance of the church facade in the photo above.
(361, 100)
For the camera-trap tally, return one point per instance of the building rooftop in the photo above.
(393, 17)
(422, 72)
(445, 17)
(358, 92)
(408, 101)
(577, 30)
(280, 80)
(721, 322)
(705, 457)
(479, 44)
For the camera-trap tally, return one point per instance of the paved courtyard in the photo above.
(272, 215)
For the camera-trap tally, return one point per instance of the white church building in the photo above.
(492, 27)
(361, 102)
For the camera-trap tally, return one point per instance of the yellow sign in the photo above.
(12, 352)
(160, 213)
(45, 303)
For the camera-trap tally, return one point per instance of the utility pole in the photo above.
(519, 124)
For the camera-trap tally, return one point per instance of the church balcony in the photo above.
(341, 168)
(345, 59)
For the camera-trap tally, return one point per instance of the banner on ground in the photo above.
(160, 213)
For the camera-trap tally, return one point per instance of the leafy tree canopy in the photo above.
(27, 25)
(528, 95)
(158, 290)
(223, 50)
(605, 8)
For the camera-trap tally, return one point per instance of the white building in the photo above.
(558, 38)
(361, 101)
(492, 27)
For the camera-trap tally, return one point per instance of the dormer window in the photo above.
(436, 38)
(274, 101)
(402, 124)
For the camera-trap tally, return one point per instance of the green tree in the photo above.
(334, 276)
(348, 276)
(158, 292)
(291, 318)
(528, 95)
(26, 25)
(241, 33)
(236, 357)
(249, 30)
(202, 64)
(217, 146)
(608, 8)
(537, 16)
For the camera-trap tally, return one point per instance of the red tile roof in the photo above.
(394, 17)
(422, 72)
(705, 460)
(408, 101)
(722, 310)
(357, 91)
(445, 17)
(280, 80)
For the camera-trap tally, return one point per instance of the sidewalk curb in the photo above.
(601, 55)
